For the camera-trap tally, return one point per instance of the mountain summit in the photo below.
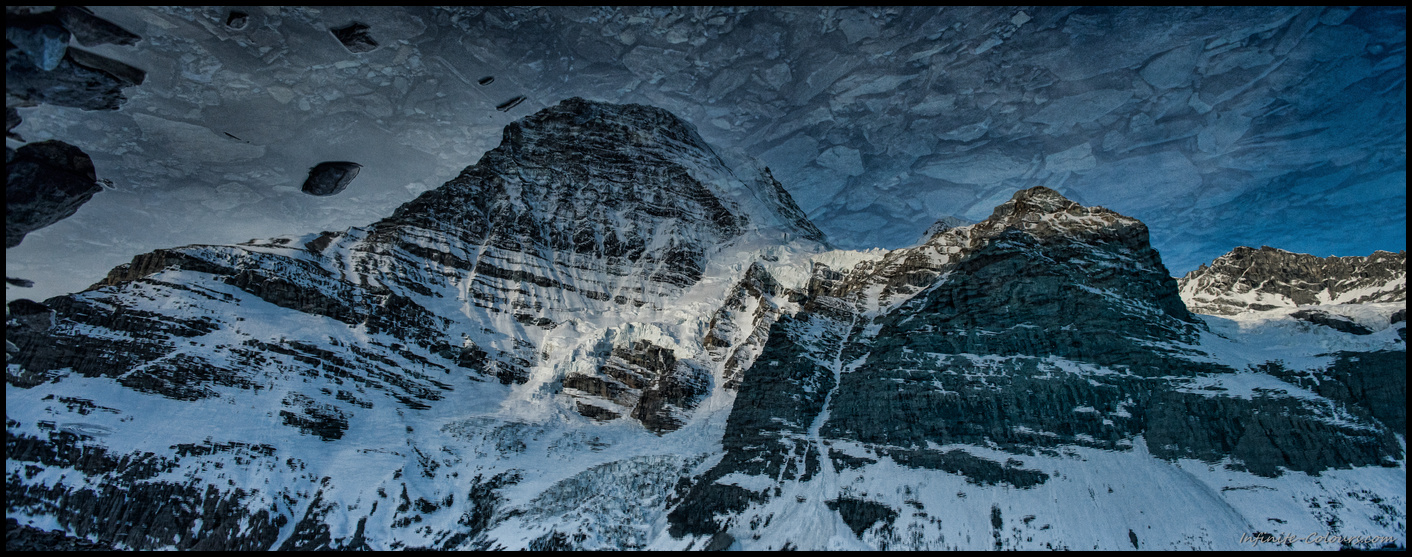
(601, 336)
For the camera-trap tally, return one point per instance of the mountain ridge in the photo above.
(471, 372)
(1249, 279)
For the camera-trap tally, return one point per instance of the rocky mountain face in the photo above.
(1248, 279)
(602, 336)
(1045, 327)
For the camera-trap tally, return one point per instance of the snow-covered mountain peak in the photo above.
(1249, 279)
(1039, 221)
(605, 127)
(1035, 199)
(1042, 211)
(942, 225)
(611, 180)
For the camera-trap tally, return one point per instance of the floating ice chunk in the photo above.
(512, 103)
(650, 62)
(936, 105)
(91, 30)
(329, 178)
(776, 76)
(127, 75)
(195, 142)
(12, 120)
(987, 45)
(842, 159)
(45, 44)
(1083, 107)
(858, 25)
(1073, 159)
(968, 132)
(46, 182)
(237, 19)
(355, 37)
(281, 94)
(974, 168)
(231, 195)
(873, 85)
(1127, 185)
(1219, 136)
(792, 154)
(1173, 69)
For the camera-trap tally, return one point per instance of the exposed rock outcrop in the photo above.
(31, 313)
(1335, 322)
(45, 182)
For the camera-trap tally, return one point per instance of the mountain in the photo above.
(1032, 357)
(602, 336)
(1248, 279)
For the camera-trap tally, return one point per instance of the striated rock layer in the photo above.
(1247, 279)
(601, 336)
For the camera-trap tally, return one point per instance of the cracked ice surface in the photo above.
(1215, 126)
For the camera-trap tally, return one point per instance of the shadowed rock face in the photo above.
(1249, 279)
(31, 313)
(596, 182)
(19, 537)
(647, 381)
(726, 340)
(1335, 322)
(45, 183)
(1050, 324)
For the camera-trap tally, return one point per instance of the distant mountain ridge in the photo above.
(1249, 279)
